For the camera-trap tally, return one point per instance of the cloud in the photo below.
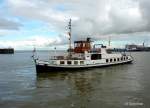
(144, 9)
(6, 24)
(96, 18)
(37, 41)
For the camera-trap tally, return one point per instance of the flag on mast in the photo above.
(69, 35)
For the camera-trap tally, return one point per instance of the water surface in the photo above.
(121, 86)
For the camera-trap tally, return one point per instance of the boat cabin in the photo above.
(82, 46)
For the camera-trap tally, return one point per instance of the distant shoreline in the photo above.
(6, 50)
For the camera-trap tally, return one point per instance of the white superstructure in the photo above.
(83, 55)
(99, 57)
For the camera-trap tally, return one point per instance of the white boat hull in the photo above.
(45, 67)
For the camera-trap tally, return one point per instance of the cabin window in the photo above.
(95, 56)
(114, 59)
(126, 57)
(75, 62)
(107, 60)
(53, 62)
(62, 62)
(69, 62)
(110, 60)
(83, 45)
(117, 59)
(109, 51)
(121, 58)
(81, 62)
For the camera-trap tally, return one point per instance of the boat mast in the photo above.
(69, 33)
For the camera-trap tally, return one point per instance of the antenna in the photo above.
(69, 33)
(144, 43)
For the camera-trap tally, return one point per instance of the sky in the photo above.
(25, 24)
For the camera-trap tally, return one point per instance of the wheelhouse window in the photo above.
(75, 62)
(62, 62)
(69, 62)
(109, 51)
(81, 62)
(114, 59)
(96, 56)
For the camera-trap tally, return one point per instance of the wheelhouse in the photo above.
(82, 46)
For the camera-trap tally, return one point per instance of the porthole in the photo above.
(107, 60)
(110, 60)
(118, 59)
(124, 58)
(121, 58)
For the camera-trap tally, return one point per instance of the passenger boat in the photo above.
(82, 56)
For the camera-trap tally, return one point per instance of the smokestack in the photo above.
(88, 39)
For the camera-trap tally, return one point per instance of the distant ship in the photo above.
(6, 50)
(82, 56)
(134, 47)
(131, 48)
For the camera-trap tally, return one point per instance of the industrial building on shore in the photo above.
(6, 50)
(134, 47)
